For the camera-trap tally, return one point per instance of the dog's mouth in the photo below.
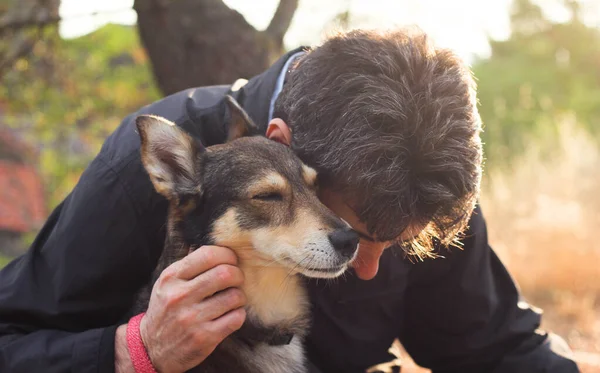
(328, 270)
(317, 272)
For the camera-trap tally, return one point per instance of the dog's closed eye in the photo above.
(268, 196)
(271, 188)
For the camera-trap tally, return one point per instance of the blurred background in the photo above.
(71, 70)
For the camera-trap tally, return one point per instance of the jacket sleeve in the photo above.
(464, 313)
(60, 302)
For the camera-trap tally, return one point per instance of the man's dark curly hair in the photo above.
(391, 121)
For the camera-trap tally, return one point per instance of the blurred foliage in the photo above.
(4, 260)
(68, 95)
(543, 73)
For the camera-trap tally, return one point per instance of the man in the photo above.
(390, 123)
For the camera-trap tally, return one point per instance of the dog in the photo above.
(256, 197)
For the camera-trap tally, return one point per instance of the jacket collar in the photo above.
(255, 96)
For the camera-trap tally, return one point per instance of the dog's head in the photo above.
(250, 194)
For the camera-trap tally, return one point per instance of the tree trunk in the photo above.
(203, 42)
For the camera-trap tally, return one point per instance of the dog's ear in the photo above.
(240, 124)
(171, 157)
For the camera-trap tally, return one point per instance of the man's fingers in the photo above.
(222, 327)
(216, 279)
(201, 260)
(219, 304)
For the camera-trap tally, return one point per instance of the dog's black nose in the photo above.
(345, 241)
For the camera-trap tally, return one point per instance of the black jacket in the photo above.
(61, 302)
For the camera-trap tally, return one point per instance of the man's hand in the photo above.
(195, 304)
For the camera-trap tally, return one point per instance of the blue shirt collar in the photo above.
(279, 83)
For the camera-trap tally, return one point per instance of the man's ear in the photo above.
(171, 157)
(240, 124)
(279, 131)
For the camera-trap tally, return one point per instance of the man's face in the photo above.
(370, 249)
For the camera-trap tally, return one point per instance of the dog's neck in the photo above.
(277, 307)
(276, 297)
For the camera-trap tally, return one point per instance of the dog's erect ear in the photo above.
(171, 157)
(240, 124)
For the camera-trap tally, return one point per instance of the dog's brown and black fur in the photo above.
(256, 197)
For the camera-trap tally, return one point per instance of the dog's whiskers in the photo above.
(293, 269)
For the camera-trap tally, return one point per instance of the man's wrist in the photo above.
(123, 362)
(138, 354)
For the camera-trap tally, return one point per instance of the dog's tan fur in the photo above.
(273, 295)
(310, 175)
(272, 182)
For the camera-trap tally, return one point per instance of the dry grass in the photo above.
(543, 218)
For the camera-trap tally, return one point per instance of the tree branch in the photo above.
(16, 22)
(281, 20)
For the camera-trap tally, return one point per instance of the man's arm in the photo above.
(464, 313)
(61, 301)
(56, 351)
(123, 362)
